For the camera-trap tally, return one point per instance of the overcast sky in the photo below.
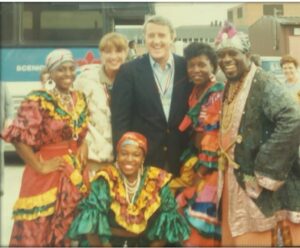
(193, 13)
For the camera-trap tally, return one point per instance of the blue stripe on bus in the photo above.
(24, 64)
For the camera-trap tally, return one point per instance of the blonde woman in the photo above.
(96, 83)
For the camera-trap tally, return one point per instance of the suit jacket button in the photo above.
(165, 148)
(168, 130)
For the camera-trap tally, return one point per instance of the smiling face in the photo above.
(112, 58)
(199, 69)
(63, 76)
(130, 159)
(233, 63)
(158, 39)
(290, 71)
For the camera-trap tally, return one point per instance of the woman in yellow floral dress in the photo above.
(129, 204)
(48, 134)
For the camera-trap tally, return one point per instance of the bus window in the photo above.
(64, 23)
(6, 18)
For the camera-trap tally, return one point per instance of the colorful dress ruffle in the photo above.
(46, 204)
(152, 216)
(197, 195)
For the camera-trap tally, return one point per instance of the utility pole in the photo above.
(275, 12)
(1, 158)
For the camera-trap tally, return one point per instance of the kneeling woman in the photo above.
(129, 205)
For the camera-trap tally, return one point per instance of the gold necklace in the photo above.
(228, 109)
(232, 91)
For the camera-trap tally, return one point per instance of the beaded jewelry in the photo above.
(67, 102)
(131, 188)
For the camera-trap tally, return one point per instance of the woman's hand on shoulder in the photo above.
(212, 78)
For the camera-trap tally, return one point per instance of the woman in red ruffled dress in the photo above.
(48, 134)
(197, 185)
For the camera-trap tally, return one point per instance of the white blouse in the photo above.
(94, 83)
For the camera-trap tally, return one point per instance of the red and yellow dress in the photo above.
(46, 203)
(197, 195)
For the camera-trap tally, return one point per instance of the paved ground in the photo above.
(11, 185)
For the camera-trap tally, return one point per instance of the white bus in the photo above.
(30, 30)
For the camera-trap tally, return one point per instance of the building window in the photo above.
(240, 12)
(296, 31)
(273, 9)
(230, 15)
(6, 17)
(61, 21)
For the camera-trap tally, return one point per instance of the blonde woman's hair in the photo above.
(115, 40)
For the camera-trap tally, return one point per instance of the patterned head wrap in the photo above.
(229, 37)
(133, 138)
(58, 57)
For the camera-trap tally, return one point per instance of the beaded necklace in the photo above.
(229, 105)
(131, 188)
(232, 91)
(66, 100)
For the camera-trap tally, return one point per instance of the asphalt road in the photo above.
(12, 176)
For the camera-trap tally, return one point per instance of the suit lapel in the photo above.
(150, 84)
(176, 89)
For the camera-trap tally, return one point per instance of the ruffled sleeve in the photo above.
(169, 225)
(93, 216)
(27, 125)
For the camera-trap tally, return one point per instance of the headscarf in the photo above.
(133, 138)
(229, 37)
(58, 57)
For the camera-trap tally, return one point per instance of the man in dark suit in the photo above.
(150, 96)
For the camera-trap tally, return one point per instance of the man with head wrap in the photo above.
(259, 132)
